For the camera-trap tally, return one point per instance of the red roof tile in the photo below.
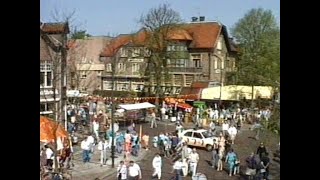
(204, 35)
(201, 35)
(53, 28)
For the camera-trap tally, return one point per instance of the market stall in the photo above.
(135, 112)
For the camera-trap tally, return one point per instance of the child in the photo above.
(155, 141)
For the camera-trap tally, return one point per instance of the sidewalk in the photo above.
(92, 170)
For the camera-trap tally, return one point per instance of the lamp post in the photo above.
(112, 117)
(220, 93)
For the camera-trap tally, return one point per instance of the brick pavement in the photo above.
(92, 170)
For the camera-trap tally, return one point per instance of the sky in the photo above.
(113, 17)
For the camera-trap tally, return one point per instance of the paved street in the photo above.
(244, 145)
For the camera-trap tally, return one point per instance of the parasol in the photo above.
(47, 129)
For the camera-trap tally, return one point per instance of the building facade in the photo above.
(198, 51)
(84, 65)
(53, 63)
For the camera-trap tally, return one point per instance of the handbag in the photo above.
(263, 170)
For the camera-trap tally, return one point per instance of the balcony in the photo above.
(185, 69)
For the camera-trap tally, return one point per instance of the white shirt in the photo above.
(102, 145)
(163, 110)
(134, 170)
(49, 153)
(122, 169)
(225, 126)
(90, 140)
(194, 157)
(85, 145)
(95, 126)
(178, 165)
(157, 162)
(232, 131)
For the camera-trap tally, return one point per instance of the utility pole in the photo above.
(112, 115)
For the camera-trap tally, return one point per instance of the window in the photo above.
(135, 67)
(219, 45)
(47, 106)
(216, 63)
(83, 74)
(109, 67)
(121, 67)
(188, 134)
(196, 58)
(139, 87)
(46, 74)
(180, 63)
(197, 135)
(107, 85)
(222, 64)
(177, 48)
(206, 134)
(123, 52)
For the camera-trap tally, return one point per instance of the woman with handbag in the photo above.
(122, 171)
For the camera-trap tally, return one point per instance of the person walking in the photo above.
(232, 131)
(85, 146)
(231, 159)
(193, 161)
(157, 165)
(261, 150)
(122, 171)
(134, 171)
(102, 147)
(153, 119)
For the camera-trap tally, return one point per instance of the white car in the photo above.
(198, 138)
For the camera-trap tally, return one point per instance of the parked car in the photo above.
(199, 138)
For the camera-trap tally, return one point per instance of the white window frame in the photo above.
(46, 67)
(135, 67)
(107, 85)
(109, 67)
(196, 57)
(121, 66)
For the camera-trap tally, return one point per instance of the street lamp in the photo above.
(220, 93)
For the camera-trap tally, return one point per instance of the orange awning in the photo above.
(184, 106)
(48, 128)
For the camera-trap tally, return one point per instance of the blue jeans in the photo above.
(178, 174)
(86, 156)
(135, 150)
(119, 147)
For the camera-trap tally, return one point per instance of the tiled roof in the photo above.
(121, 40)
(204, 34)
(44, 51)
(201, 35)
(55, 28)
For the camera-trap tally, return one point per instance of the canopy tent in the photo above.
(185, 106)
(51, 130)
(137, 106)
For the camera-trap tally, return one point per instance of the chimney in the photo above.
(202, 18)
(194, 19)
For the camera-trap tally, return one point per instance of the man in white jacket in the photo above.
(157, 164)
(102, 147)
(232, 131)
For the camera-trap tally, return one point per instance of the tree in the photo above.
(258, 37)
(79, 34)
(159, 22)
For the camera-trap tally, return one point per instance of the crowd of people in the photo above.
(169, 144)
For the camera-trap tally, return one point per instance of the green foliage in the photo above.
(79, 34)
(159, 22)
(258, 36)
